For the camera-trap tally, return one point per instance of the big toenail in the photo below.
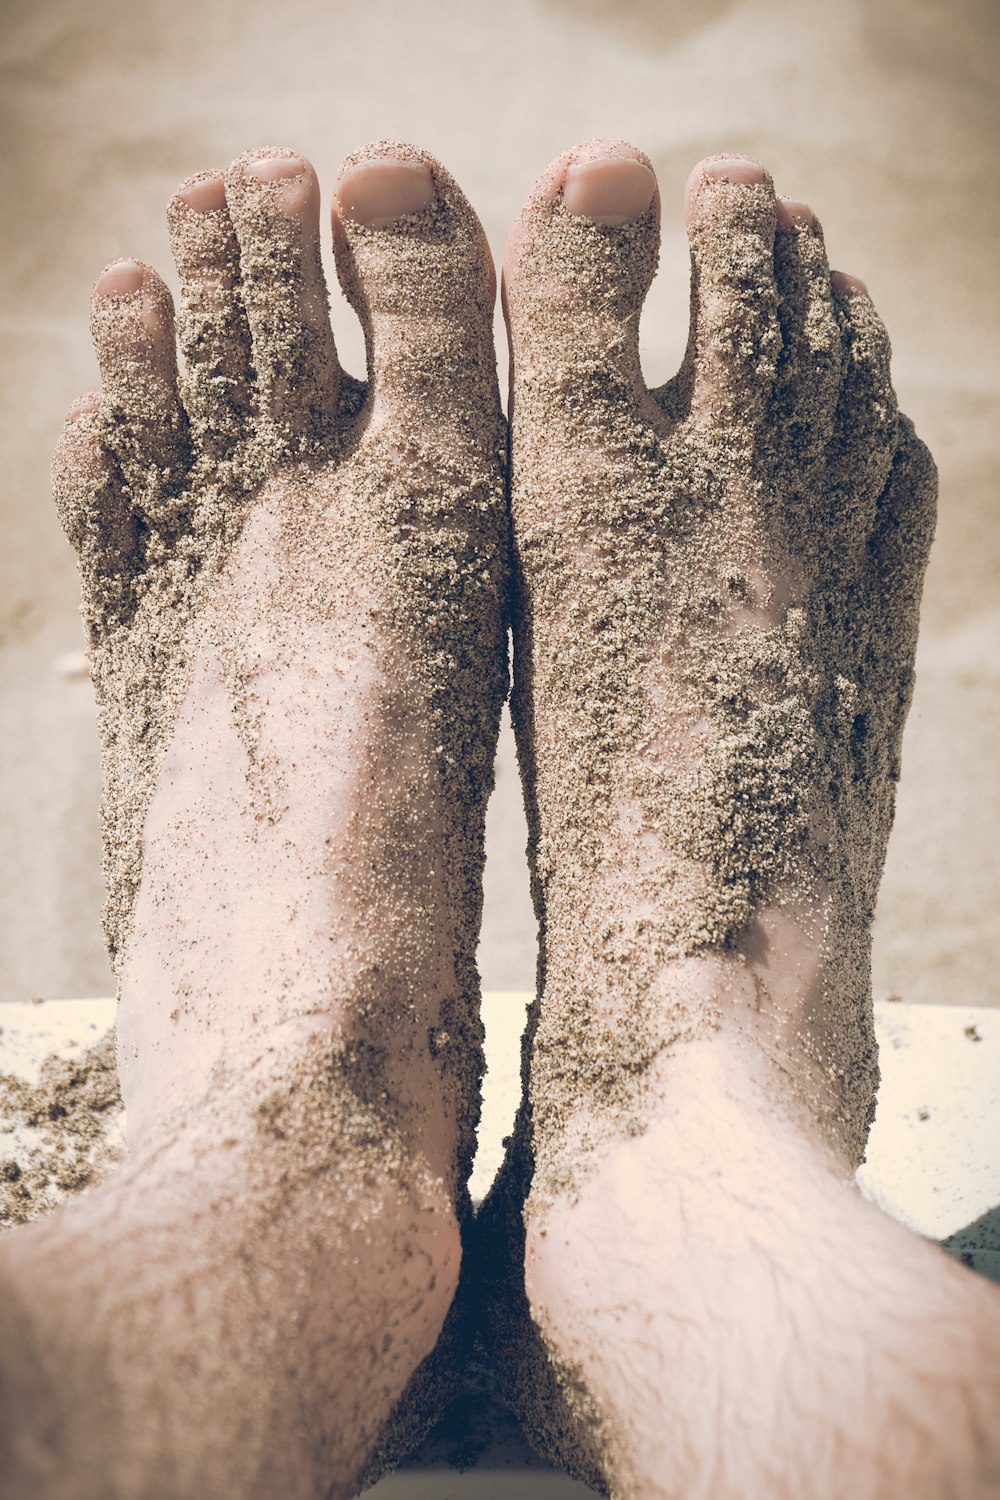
(609, 190)
(82, 408)
(795, 215)
(733, 169)
(205, 197)
(842, 282)
(273, 168)
(377, 192)
(120, 280)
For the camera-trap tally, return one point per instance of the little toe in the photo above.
(809, 369)
(212, 325)
(415, 265)
(579, 262)
(904, 529)
(866, 427)
(735, 339)
(89, 496)
(273, 200)
(132, 323)
(897, 555)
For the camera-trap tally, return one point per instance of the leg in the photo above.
(743, 1322)
(716, 594)
(294, 587)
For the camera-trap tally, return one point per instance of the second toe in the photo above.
(735, 340)
(273, 196)
(811, 362)
(212, 325)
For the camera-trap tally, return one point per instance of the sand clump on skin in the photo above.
(409, 520)
(693, 751)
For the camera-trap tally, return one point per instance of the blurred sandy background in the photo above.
(881, 113)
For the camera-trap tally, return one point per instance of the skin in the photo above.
(213, 1321)
(709, 1307)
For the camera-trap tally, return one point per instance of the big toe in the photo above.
(579, 263)
(414, 263)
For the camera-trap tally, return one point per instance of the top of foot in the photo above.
(717, 586)
(294, 586)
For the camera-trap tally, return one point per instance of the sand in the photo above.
(120, 109)
(63, 1145)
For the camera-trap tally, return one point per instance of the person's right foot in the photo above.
(716, 596)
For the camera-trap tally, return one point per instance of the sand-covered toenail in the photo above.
(795, 215)
(82, 407)
(274, 168)
(842, 282)
(120, 280)
(206, 195)
(731, 169)
(609, 190)
(377, 192)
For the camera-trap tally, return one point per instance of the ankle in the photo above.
(302, 1084)
(719, 1091)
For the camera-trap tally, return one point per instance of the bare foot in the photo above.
(717, 586)
(294, 588)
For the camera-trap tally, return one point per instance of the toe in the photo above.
(735, 339)
(414, 263)
(898, 551)
(866, 427)
(579, 263)
(132, 322)
(809, 369)
(904, 528)
(273, 200)
(212, 326)
(88, 493)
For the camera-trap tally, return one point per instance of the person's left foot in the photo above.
(294, 586)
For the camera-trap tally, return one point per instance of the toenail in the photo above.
(795, 215)
(82, 408)
(609, 190)
(273, 168)
(205, 197)
(379, 191)
(842, 282)
(733, 169)
(120, 280)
